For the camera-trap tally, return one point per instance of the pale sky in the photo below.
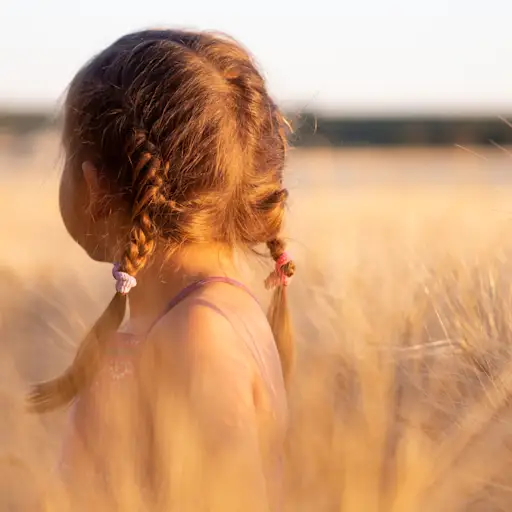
(336, 55)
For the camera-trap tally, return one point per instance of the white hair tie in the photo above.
(124, 282)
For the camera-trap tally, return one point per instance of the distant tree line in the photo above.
(316, 131)
(26, 122)
(311, 130)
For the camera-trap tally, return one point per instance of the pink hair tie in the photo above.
(278, 277)
(124, 282)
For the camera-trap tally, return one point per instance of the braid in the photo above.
(264, 148)
(142, 243)
(148, 198)
(278, 315)
(277, 248)
(61, 391)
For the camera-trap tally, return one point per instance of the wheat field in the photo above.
(400, 400)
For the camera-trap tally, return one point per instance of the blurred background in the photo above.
(378, 93)
(399, 221)
(350, 75)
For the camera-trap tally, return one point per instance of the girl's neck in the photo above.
(165, 277)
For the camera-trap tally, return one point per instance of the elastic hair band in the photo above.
(278, 277)
(124, 282)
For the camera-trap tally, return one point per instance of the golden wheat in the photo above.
(401, 396)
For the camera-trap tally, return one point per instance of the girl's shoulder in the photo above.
(199, 358)
(220, 337)
(211, 322)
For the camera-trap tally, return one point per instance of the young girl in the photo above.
(174, 164)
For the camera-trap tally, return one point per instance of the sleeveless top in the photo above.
(120, 365)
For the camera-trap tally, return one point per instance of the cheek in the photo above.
(73, 208)
(96, 232)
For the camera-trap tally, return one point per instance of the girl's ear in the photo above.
(97, 194)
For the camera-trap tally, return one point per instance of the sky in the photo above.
(339, 56)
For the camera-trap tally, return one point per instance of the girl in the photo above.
(174, 162)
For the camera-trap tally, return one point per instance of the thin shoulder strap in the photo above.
(191, 288)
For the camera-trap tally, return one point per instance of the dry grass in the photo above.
(382, 420)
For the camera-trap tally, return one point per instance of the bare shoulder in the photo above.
(204, 334)
(202, 351)
(218, 353)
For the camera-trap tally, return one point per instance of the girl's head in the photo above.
(177, 139)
